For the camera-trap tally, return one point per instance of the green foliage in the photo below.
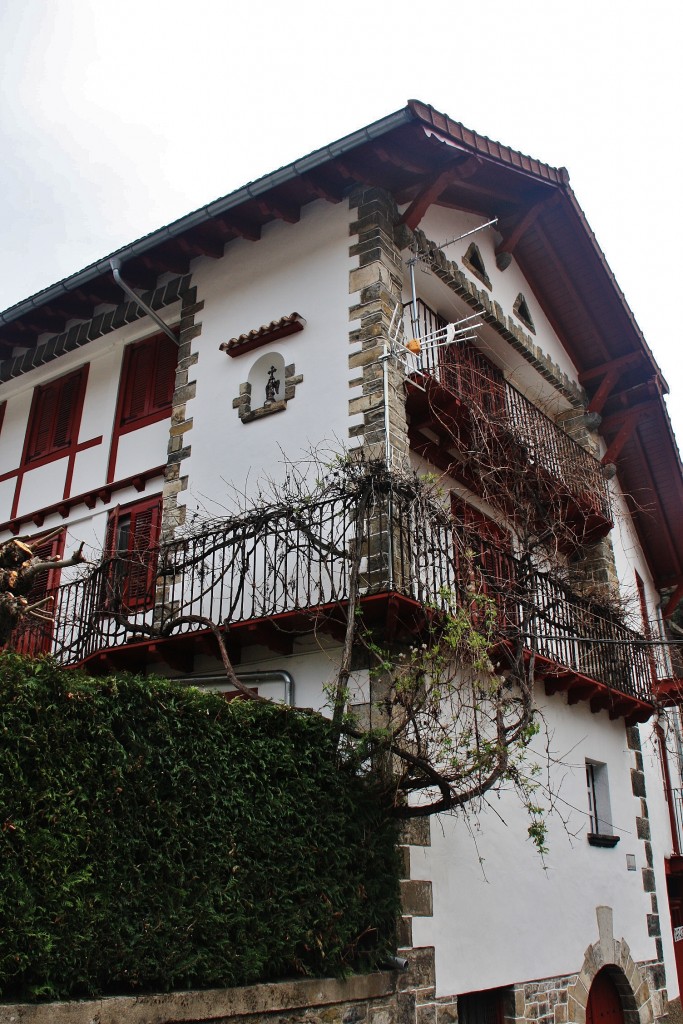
(155, 837)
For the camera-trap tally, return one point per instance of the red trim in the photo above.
(661, 741)
(153, 409)
(88, 498)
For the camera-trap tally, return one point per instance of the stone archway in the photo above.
(612, 958)
(610, 999)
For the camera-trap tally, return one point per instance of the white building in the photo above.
(283, 298)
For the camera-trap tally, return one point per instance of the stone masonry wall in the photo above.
(375, 285)
(366, 999)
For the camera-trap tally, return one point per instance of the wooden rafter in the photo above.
(275, 207)
(512, 237)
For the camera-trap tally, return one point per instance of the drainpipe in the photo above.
(264, 676)
(115, 265)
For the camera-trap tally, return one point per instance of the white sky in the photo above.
(118, 116)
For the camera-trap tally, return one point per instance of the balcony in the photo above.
(457, 399)
(275, 574)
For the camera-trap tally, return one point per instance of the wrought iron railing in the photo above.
(466, 373)
(297, 558)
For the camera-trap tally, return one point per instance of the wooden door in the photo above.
(604, 1003)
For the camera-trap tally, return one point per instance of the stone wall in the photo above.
(366, 999)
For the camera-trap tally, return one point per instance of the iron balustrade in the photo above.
(468, 375)
(297, 558)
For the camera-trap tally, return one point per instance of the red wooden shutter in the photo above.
(148, 378)
(35, 636)
(108, 587)
(54, 412)
(164, 376)
(137, 377)
(145, 522)
(67, 405)
(42, 417)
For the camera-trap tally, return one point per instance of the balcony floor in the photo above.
(392, 615)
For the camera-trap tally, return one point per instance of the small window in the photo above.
(522, 311)
(55, 416)
(147, 381)
(600, 826)
(131, 556)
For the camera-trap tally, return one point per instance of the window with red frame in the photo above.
(483, 554)
(55, 415)
(131, 555)
(34, 635)
(147, 381)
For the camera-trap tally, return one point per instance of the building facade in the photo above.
(429, 301)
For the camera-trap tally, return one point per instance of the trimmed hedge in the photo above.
(157, 837)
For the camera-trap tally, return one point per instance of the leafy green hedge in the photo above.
(156, 837)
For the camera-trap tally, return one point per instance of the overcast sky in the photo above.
(118, 116)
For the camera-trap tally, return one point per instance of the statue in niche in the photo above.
(272, 387)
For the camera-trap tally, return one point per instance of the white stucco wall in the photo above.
(501, 912)
(294, 267)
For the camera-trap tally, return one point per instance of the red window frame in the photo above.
(34, 636)
(131, 556)
(147, 382)
(55, 417)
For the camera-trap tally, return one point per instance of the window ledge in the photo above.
(600, 839)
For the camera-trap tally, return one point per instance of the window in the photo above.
(131, 554)
(34, 635)
(147, 381)
(599, 812)
(55, 416)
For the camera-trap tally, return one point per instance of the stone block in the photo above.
(575, 1011)
(425, 1013)
(421, 971)
(416, 898)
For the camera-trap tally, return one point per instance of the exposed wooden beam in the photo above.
(513, 236)
(597, 402)
(239, 226)
(571, 290)
(424, 199)
(624, 433)
(166, 260)
(201, 244)
(673, 602)
(390, 155)
(620, 363)
(321, 187)
(271, 207)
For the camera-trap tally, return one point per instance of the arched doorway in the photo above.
(604, 1002)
